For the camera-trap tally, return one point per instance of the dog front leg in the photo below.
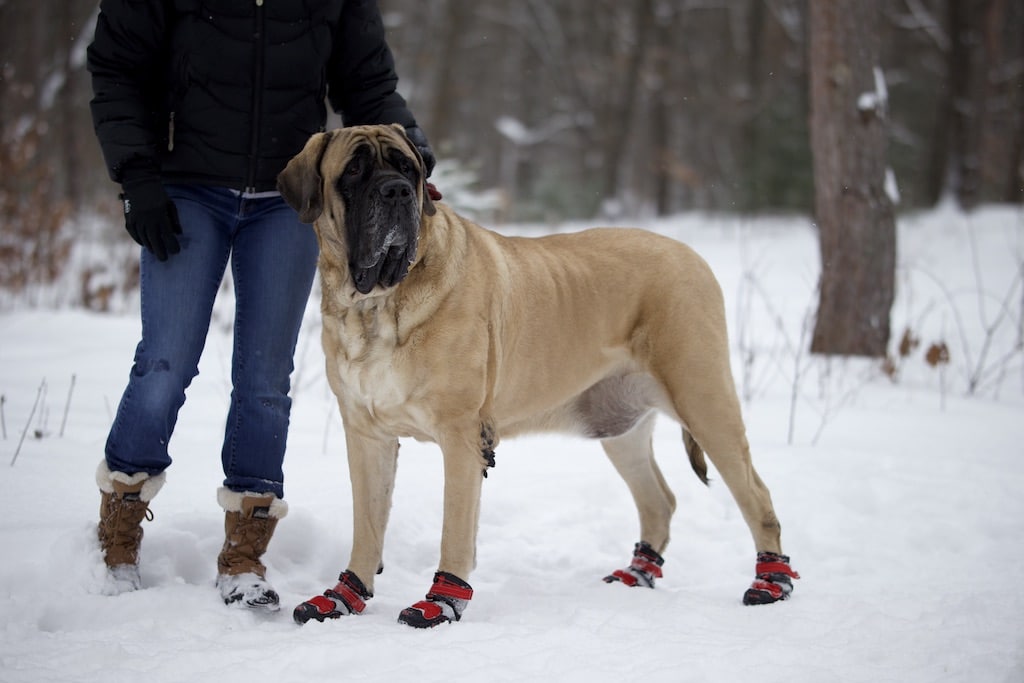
(372, 463)
(464, 471)
(464, 468)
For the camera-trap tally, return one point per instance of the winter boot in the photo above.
(124, 503)
(249, 522)
(642, 571)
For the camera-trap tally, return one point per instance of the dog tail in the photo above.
(696, 454)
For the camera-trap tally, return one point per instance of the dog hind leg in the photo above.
(717, 427)
(702, 393)
(632, 454)
(712, 416)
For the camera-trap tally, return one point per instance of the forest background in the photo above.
(575, 109)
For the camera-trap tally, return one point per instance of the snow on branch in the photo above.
(877, 101)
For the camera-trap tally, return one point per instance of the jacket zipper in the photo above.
(257, 96)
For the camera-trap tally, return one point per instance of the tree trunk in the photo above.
(1002, 101)
(660, 130)
(626, 103)
(748, 128)
(966, 74)
(442, 112)
(855, 219)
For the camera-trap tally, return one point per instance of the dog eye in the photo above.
(354, 168)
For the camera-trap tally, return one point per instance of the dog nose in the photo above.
(395, 190)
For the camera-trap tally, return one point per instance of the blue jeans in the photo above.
(273, 262)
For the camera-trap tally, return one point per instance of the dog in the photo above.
(438, 329)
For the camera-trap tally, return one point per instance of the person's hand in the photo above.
(150, 216)
(419, 139)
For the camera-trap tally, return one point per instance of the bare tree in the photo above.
(854, 213)
(1002, 141)
(443, 112)
(623, 103)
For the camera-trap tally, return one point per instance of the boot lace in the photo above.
(120, 528)
(246, 543)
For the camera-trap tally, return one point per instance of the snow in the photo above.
(520, 135)
(892, 188)
(900, 501)
(878, 99)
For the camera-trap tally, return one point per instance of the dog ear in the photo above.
(428, 203)
(300, 183)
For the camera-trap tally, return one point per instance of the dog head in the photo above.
(364, 190)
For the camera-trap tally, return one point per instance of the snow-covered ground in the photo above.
(901, 503)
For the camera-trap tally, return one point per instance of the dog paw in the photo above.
(642, 571)
(445, 603)
(349, 596)
(773, 582)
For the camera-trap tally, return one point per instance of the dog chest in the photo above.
(371, 380)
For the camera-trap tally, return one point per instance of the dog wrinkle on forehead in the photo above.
(379, 143)
(380, 147)
(388, 148)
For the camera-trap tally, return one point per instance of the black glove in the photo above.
(419, 139)
(150, 216)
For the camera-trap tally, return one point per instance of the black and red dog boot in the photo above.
(773, 580)
(642, 571)
(445, 603)
(349, 596)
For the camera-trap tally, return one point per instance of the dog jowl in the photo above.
(384, 216)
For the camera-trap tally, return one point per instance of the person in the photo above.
(197, 107)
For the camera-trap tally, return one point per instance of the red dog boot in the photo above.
(642, 571)
(445, 602)
(774, 580)
(349, 596)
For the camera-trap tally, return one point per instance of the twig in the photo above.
(831, 406)
(67, 405)
(3, 420)
(39, 393)
(44, 413)
(797, 371)
(975, 367)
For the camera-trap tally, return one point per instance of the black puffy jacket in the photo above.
(225, 92)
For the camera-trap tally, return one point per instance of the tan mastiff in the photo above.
(437, 329)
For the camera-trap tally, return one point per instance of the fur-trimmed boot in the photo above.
(124, 503)
(249, 522)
